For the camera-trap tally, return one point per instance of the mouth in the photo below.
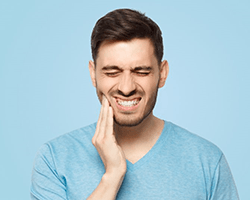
(128, 104)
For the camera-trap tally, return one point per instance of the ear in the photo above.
(164, 69)
(92, 72)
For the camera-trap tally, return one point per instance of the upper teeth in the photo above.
(127, 103)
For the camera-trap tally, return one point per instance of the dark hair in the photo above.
(125, 25)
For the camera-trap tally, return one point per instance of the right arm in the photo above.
(111, 154)
(47, 183)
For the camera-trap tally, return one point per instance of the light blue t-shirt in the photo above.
(179, 166)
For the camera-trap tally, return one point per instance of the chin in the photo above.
(129, 121)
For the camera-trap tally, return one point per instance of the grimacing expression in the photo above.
(128, 74)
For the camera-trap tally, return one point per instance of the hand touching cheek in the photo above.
(104, 141)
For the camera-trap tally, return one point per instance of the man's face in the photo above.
(128, 74)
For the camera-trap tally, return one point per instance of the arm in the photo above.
(48, 184)
(223, 186)
(111, 154)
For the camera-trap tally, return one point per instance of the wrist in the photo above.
(113, 179)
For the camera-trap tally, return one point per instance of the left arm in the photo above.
(223, 186)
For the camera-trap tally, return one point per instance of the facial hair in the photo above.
(126, 119)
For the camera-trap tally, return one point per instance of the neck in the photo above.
(147, 130)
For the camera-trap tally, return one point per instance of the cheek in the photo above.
(104, 86)
(149, 84)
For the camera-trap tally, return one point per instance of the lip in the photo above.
(127, 108)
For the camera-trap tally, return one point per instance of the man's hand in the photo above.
(111, 154)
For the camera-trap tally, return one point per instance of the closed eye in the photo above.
(142, 70)
(142, 73)
(111, 74)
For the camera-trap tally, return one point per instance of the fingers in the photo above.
(110, 121)
(103, 121)
(105, 142)
(99, 120)
(104, 114)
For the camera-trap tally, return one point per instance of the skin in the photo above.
(125, 71)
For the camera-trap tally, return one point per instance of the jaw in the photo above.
(132, 120)
(130, 111)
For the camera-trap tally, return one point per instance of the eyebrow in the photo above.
(112, 67)
(146, 68)
(138, 68)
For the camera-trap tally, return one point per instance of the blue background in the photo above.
(46, 90)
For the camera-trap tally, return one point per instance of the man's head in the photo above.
(127, 66)
(125, 25)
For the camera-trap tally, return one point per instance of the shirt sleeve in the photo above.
(46, 184)
(223, 186)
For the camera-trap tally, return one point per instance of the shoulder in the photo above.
(70, 142)
(82, 135)
(190, 143)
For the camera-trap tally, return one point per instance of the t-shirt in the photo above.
(180, 165)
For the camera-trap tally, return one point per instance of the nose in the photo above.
(126, 85)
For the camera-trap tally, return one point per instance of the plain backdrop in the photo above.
(46, 91)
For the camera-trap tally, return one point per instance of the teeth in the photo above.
(128, 103)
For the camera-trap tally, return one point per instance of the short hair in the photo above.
(125, 25)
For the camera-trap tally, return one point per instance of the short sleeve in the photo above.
(45, 182)
(223, 186)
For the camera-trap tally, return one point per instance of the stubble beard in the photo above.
(129, 121)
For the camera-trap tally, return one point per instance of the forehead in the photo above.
(136, 52)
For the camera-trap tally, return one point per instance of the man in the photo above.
(130, 153)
